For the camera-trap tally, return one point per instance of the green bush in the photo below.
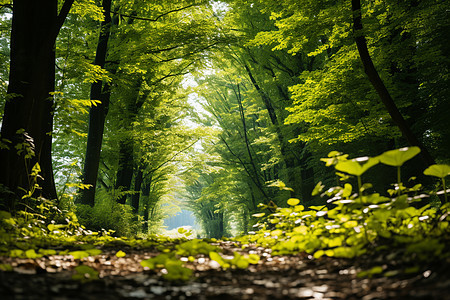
(107, 214)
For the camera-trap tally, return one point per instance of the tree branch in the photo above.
(158, 17)
(62, 16)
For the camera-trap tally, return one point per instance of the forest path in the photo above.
(273, 277)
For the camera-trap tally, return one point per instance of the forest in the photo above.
(309, 140)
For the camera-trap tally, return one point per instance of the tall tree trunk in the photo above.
(379, 85)
(145, 198)
(28, 112)
(137, 189)
(97, 114)
(125, 172)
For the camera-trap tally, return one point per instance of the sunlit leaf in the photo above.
(398, 157)
(120, 253)
(356, 166)
(293, 201)
(276, 232)
(79, 254)
(253, 258)
(30, 253)
(259, 215)
(347, 190)
(317, 189)
(440, 171)
(216, 257)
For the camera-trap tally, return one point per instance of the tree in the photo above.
(26, 134)
(100, 91)
(139, 64)
(345, 112)
(379, 85)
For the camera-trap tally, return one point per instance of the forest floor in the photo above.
(273, 277)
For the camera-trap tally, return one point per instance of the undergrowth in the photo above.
(402, 228)
(357, 222)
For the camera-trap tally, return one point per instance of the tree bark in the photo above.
(137, 189)
(28, 112)
(379, 85)
(97, 114)
(145, 197)
(125, 171)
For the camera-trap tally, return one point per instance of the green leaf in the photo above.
(16, 253)
(93, 252)
(85, 273)
(357, 166)
(347, 191)
(440, 171)
(158, 261)
(176, 271)
(253, 258)
(216, 257)
(293, 201)
(120, 253)
(317, 189)
(32, 254)
(276, 232)
(398, 157)
(79, 254)
(259, 215)
(319, 254)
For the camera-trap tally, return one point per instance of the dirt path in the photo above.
(274, 277)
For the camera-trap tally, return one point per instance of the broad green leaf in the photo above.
(440, 171)
(120, 253)
(357, 166)
(293, 201)
(398, 157)
(319, 254)
(30, 253)
(79, 254)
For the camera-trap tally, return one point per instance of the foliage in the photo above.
(173, 266)
(354, 224)
(108, 214)
(238, 261)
